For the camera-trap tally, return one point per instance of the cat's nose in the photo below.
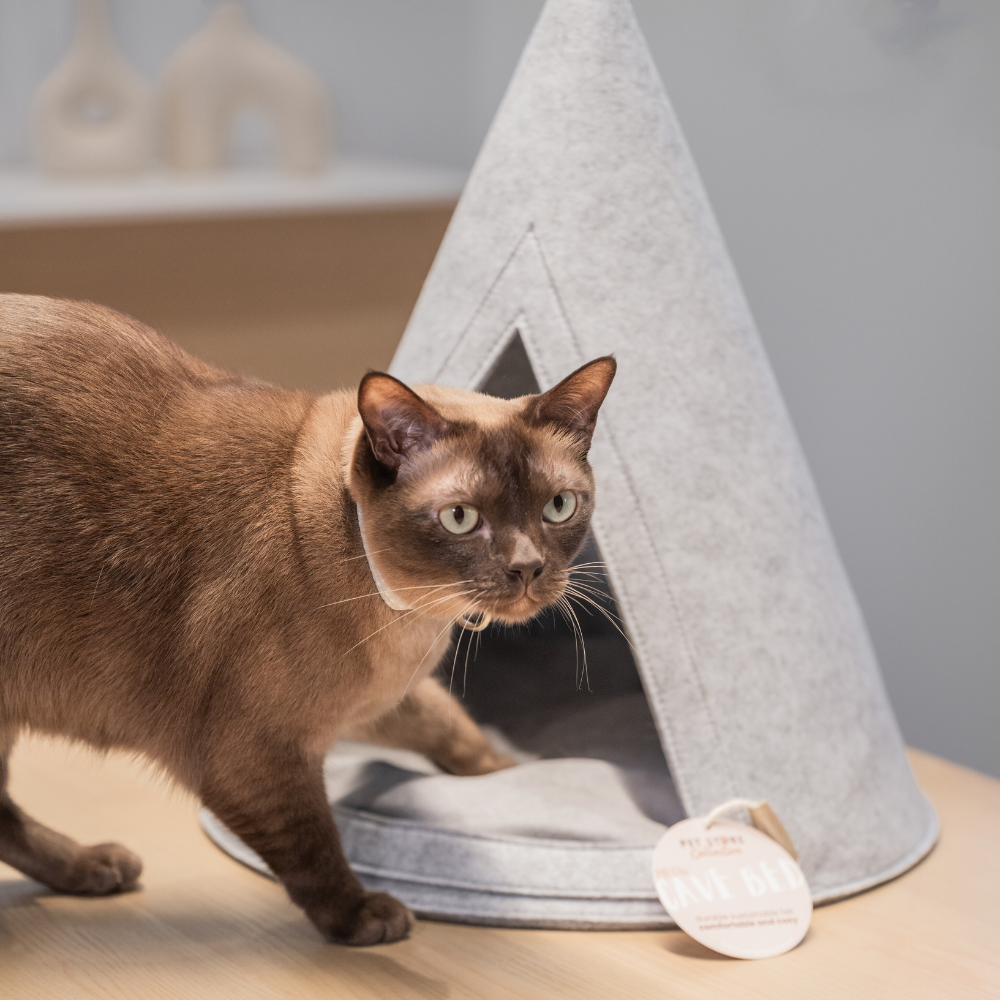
(526, 571)
(526, 562)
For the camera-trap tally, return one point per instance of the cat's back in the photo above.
(102, 419)
(83, 378)
(125, 459)
(79, 353)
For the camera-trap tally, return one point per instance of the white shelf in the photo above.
(32, 199)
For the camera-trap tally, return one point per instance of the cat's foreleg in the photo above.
(431, 721)
(55, 860)
(271, 795)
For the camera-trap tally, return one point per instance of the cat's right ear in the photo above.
(397, 421)
(574, 402)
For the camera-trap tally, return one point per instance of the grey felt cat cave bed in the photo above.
(584, 230)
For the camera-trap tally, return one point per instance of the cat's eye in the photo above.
(459, 519)
(560, 507)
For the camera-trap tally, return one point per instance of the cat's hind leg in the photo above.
(432, 722)
(55, 860)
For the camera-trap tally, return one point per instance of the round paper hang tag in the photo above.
(732, 888)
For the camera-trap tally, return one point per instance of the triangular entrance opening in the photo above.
(534, 685)
(512, 375)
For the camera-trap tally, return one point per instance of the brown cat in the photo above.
(183, 573)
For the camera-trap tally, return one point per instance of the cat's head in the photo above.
(473, 504)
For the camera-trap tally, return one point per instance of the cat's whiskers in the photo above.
(402, 617)
(363, 555)
(573, 593)
(96, 585)
(589, 589)
(454, 660)
(590, 597)
(588, 593)
(582, 588)
(448, 625)
(397, 590)
(465, 669)
(470, 608)
(583, 645)
(479, 633)
(565, 608)
(567, 614)
(591, 580)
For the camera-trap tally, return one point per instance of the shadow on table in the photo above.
(20, 892)
(679, 943)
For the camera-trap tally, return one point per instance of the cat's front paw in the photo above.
(485, 762)
(377, 919)
(102, 870)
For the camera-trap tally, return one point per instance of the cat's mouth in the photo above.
(471, 602)
(516, 609)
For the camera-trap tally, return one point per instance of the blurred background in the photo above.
(851, 149)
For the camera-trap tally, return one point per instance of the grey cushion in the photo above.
(554, 841)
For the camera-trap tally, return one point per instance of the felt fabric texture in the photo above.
(584, 230)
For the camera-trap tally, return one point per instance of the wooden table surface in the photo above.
(202, 926)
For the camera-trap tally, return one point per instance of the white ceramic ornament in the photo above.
(93, 114)
(226, 67)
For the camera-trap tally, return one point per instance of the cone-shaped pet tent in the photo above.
(584, 230)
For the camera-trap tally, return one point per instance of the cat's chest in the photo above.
(403, 651)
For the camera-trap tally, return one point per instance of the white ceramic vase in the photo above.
(93, 114)
(226, 67)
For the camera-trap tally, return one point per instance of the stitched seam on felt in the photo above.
(362, 816)
(511, 329)
(482, 302)
(685, 638)
(555, 892)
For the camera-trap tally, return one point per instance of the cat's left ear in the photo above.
(574, 402)
(397, 421)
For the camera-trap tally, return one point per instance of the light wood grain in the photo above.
(204, 926)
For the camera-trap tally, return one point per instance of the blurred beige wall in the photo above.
(309, 302)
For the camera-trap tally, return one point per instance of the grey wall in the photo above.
(852, 151)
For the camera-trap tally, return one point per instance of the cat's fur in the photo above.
(182, 575)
